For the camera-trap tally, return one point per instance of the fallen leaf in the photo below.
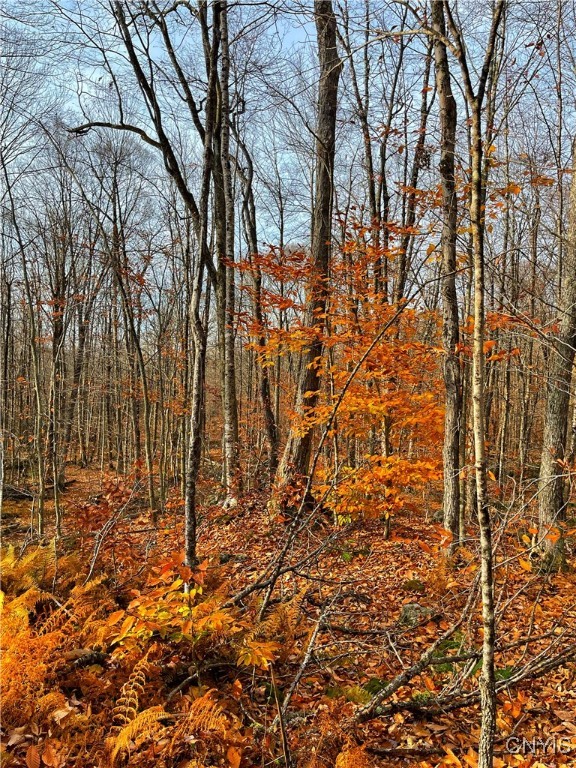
(234, 757)
(32, 757)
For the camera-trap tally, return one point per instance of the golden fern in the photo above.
(57, 618)
(49, 703)
(25, 603)
(126, 708)
(353, 757)
(204, 716)
(31, 569)
(143, 726)
(26, 658)
(328, 742)
(95, 631)
(83, 601)
(26, 661)
(282, 622)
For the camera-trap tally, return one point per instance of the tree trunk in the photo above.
(296, 457)
(475, 100)
(250, 233)
(450, 334)
(487, 680)
(231, 447)
(560, 362)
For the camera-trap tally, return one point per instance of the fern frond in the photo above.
(36, 566)
(144, 726)
(57, 618)
(26, 602)
(126, 708)
(283, 620)
(49, 703)
(353, 757)
(328, 744)
(95, 631)
(205, 715)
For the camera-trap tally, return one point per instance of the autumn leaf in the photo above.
(127, 625)
(258, 653)
(451, 758)
(115, 617)
(234, 757)
(32, 757)
(489, 345)
(49, 756)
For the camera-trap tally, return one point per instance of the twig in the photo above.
(280, 719)
(373, 707)
(305, 660)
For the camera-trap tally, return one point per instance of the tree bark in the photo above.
(475, 99)
(296, 457)
(232, 477)
(450, 332)
(551, 491)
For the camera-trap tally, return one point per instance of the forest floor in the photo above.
(347, 622)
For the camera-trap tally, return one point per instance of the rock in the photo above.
(230, 503)
(230, 557)
(413, 614)
(414, 585)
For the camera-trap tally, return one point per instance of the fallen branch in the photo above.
(441, 705)
(12, 493)
(373, 708)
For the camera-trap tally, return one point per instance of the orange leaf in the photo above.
(127, 625)
(32, 757)
(525, 564)
(234, 757)
(49, 756)
(471, 758)
(114, 617)
(429, 683)
(489, 345)
(423, 546)
(451, 759)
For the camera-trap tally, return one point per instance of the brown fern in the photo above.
(204, 716)
(126, 707)
(145, 725)
(353, 757)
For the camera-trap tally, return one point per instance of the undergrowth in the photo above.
(94, 675)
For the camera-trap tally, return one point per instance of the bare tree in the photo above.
(551, 490)
(450, 329)
(296, 457)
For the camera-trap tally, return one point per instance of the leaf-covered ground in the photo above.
(109, 660)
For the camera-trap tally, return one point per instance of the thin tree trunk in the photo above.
(450, 333)
(296, 457)
(560, 364)
(475, 102)
(231, 447)
(250, 233)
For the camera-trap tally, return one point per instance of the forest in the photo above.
(287, 405)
